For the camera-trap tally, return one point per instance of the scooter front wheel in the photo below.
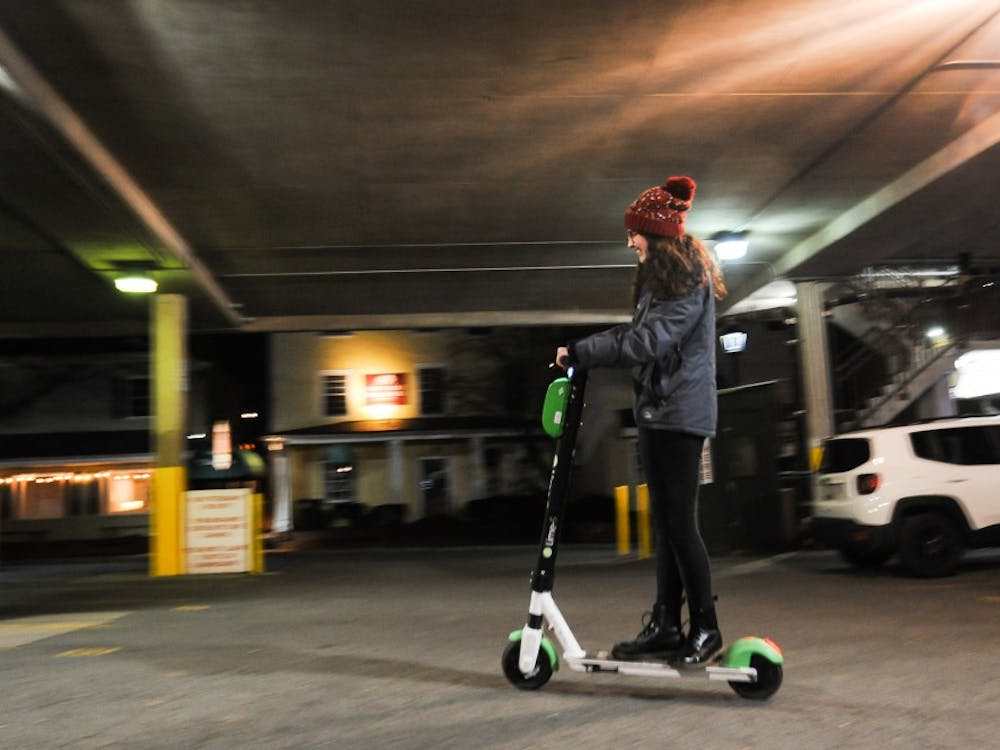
(534, 679)
(768, 681)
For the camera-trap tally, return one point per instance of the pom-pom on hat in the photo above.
(661, 210)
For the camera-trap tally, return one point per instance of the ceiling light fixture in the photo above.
(732, 245)
(136, 284)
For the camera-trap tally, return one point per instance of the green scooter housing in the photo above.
(554, 407)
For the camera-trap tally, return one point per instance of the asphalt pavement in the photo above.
(400, 648)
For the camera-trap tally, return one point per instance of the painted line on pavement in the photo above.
(24, 630)
(93, 651)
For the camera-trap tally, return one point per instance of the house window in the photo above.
(335, 394)
(129, 493)
(132, 397)
(43, 498)
(432, 380)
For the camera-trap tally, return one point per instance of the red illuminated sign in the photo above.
(386, 388)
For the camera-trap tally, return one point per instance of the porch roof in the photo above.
(415, 428)
(64, 447)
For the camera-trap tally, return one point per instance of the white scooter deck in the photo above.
(600, 662)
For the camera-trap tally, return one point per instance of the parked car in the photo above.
(926, 491)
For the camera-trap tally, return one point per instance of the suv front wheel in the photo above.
(930, 545)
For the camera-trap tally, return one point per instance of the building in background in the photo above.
(405, 424)
(76, 461)
(396, 426)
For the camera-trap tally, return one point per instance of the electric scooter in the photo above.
(752, 666)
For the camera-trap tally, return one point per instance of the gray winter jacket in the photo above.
(670, 346)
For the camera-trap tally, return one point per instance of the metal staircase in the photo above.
(892, 362)
(927, 366)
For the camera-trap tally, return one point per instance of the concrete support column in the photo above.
(396, 472)
(937, 402)
(477, 458)
(168, 373)
(281, 488)
(814, 362)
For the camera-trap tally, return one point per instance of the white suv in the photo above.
(927, 491)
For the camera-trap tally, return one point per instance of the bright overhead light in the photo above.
(135, 284)
(977, 374)
(935, 333)
(733, 342)
(732, 245)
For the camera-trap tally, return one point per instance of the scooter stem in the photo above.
(543, 576)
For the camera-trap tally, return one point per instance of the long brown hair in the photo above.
(675, 266)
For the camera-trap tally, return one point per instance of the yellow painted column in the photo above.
(168, 343)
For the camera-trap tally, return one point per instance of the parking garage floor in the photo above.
(400, 648)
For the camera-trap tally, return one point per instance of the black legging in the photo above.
(671, 462)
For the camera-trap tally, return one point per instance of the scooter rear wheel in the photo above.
(534, 679)
(769, 677)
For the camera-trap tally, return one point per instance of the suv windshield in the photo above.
(844, 454)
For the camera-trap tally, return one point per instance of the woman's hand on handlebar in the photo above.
(562, 357)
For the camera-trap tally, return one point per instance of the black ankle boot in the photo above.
(661, 637)
(703, 642)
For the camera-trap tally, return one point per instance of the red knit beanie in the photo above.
(662, 209)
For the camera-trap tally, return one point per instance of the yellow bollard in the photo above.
(815, 457)
(257, 537)
(642, 521)
(167, 521)
(623, 532)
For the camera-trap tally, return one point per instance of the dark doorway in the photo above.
(434, 486)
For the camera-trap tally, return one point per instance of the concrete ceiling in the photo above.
(339, 164)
